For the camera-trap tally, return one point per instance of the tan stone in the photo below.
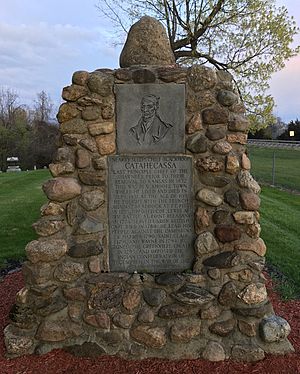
(46, 251)
(62, 168)
(73, 126)
(108, 111)
(106, 144)
(222, 147)
(209, 197)
(153, 337)
(22, 296)
(37, 274)
(222, 328)
(94, 264)
(69, 271)
(52, 209)
(100, 83)
(205, 243)
(75, 293)
(123, 320)
(83, 159)
(184, 332)
(246, 163)
(209, 164)
(257, 246)
(244, 275)
(58, 330)
(247, 353)
(249, 200)
(74, 92)
(75, 312)
(253, 294)
(67, 111)
(247, 328)
(214, 352)
(100, 320)
(132, 299)
(147, 44)
(238, 123)
(146, 315)
(201, 219)
(210, 313)
(15, 343)
(246, 180)
(215, 115)
(91, 113)
(46, 227)
(101, 128)
(232, 164)
(194, 124)
(201, 78)
(195, 278)
(80, 77)
(254, 230)
(237, 138)
(62, 189)
(244, 217)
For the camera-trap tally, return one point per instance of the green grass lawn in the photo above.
(21, 198)
(287, 166)
(280, 221)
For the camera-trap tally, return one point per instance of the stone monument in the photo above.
(150, 243)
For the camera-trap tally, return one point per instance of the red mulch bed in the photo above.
(58, 361)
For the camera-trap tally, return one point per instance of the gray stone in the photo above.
(70, 139)
(232, 197)
(249, 200)
(202, 219)
(274, 329)
(108, 111)
(145, 186)
(123, 320)
(227, 98)
(62, 168)
(155, 296)
(22, 316)
(222, 260)
(205, 243)
(56, 304)
(89, 144)
(143, 76)
(228, 295)
(100, 83)
(172, 73)
(89, 225)
(216, 132)
(164, 105)
(213, 180)
(247, 353)
(220, 216)
(256, 312)
(214, 352)
(91, 113)
(168, 279)
(193, 295)
(222, 147)
(146, 315)
(57, 330)
(197, 144)
(91, 200)
(85, 249)
(64, 155)
(238, 123)
(83, 159)
(47, 227)
(201, 78)
(147, 44)
(87, 349)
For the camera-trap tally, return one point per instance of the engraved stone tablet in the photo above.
(150, 213)
(150, 118)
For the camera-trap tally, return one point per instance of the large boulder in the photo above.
(147, 44)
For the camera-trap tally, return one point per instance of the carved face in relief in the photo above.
(149, 106)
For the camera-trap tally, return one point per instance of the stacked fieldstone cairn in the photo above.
(215, 310)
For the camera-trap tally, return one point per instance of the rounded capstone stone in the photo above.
(147, 44)
(274, 329)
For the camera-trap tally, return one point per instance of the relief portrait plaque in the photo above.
(150, 213)
(150, 118)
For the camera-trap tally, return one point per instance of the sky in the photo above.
(42, 42)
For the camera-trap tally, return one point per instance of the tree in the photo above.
(292, 126)
(43, 107)
(14, 126)
(251, 39)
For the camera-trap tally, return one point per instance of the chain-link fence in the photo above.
(276, 166)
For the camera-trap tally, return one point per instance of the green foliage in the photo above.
(280, 217)
(21, 197)
(287, 166)
(251, 39)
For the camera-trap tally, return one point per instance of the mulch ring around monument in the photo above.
(59, 361)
